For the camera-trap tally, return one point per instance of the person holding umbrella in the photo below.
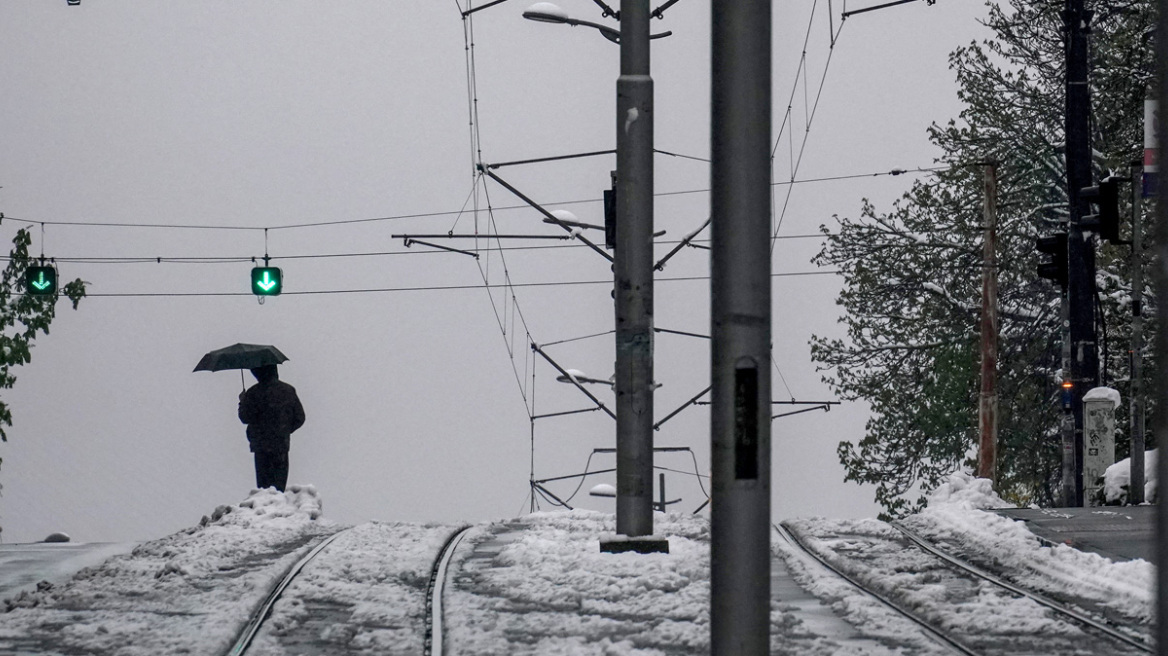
(270, 408)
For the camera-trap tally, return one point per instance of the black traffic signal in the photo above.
(1056, 247)
(267, 281)
(40, 280)
(1106, 222)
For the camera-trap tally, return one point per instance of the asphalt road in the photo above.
(1119, 533)
(22, 566)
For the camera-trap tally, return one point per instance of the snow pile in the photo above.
(187, 593)
(299, 503)
(1117, 480)
(1007, 547)
(967, 492)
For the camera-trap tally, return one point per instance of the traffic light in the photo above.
(40, 280)
(1056, 247)
(267, 281)
(1106, 196)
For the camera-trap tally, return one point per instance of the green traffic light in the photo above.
(267, 281)
(40, 281)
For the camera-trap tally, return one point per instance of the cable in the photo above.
(425, 215)
(375, 290)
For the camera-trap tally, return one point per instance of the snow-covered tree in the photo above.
(23, 317)
(911, 296)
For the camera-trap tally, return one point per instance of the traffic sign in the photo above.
(40, 280)
(267, 281)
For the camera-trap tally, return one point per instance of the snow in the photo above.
(539, 584)
(955, 518)
(602, 490)
(1106, 393)
(189, 592)
(1117, 479)
(965, 491)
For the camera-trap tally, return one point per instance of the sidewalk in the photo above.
(1118, 533)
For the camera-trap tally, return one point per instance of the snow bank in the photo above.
(1117, 480)
(955, 519)
(967, 492)
(186, 593)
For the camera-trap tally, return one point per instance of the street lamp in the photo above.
(547, 12)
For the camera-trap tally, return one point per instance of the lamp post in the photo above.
(633, 271)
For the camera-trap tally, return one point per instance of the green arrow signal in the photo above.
(41, 283)
(267, 283)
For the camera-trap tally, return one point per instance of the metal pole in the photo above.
(1136, 490)
(1080, 243)
(740, 308)
(1160, 380)
(633, 267)
(988, 406)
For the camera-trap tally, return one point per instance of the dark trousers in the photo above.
(271, 469)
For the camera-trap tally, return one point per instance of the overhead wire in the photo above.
(426, 215)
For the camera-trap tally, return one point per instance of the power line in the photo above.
(426, 215)
(320, 292)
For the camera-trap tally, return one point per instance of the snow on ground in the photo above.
(976, 613)
(186, 593)
(1117, 479)
(365, 593)
(954, 520)
(870, 617)
(539, 585)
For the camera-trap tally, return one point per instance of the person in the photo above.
(272, 412)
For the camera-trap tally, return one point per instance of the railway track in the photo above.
(313, 619)
(434, 644)
(965, 609)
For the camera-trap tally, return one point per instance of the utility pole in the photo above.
(1084, 371)
(988, 405)
(1136, 486)
(740, 312)
(633, 267)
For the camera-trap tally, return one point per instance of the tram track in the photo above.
(938, 637)
(893, 588)
(315, 614)
(264, 610)
(433, 644)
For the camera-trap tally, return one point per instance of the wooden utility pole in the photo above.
(988, 406)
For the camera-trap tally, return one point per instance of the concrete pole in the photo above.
(1136, 490)
(1159, 382)
(633, 267)
(988, 406)
(740, 295)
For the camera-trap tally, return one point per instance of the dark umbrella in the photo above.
(241, 356)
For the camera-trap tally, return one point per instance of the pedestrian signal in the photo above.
(40, 280)
(267, 281)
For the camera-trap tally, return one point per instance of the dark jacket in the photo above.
(272, 411)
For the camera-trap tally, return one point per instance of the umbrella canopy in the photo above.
(241, 356)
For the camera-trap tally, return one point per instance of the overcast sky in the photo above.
(224, 118)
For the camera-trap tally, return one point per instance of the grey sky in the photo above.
(269, 114)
